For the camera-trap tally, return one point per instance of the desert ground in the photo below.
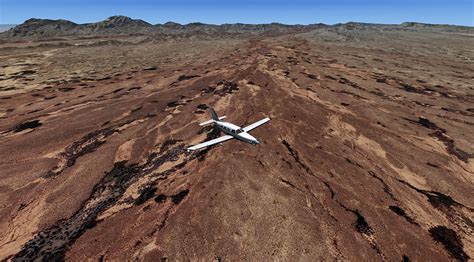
(369, 154)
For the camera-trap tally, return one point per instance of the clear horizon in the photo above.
(456, 12)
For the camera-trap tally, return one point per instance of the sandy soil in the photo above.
(368, 156)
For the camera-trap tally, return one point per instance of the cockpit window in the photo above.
(240, 130)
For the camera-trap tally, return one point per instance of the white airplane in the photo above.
(231, 131)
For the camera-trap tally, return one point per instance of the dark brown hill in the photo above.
(122, 25)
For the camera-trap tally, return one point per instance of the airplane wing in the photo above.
(211, 142)
(256, 124)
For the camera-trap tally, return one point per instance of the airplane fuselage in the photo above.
(236, 131)
(230, 130)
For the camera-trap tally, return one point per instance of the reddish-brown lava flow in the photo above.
(368, 156)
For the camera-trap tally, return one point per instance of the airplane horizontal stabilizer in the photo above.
(211, 121)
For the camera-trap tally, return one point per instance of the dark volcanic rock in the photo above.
(186, 77)
(180, 196)
(26, 125)
(399, 211)
(146, 193)
(361, 225)
(450, 240)
(160, 198)
(227, 88)
(202, 106)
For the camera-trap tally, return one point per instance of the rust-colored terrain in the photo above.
(368, 156)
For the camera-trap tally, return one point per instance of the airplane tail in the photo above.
(213, 114)
(214, 117)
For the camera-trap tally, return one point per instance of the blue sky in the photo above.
(460, 12)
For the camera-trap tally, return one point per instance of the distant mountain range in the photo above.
(122, 25)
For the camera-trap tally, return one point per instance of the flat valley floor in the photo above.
(368, 156)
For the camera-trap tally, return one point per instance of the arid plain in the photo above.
(368, 156)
